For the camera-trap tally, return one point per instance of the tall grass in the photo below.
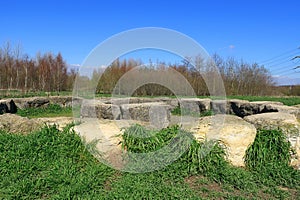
(266, 169)
(53, 164)
(49, 164)
(270, 156)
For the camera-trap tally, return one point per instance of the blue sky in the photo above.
(266, 32)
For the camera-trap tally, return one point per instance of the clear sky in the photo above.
(266, 32)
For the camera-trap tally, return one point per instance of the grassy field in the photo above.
(52, 110)
(53, 164)
(289, 101)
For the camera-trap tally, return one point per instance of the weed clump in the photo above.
(269, 156)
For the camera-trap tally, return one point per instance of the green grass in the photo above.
(49, 164)
(53, 164)
(232, 182)
(289, 101)
(269, 156)
(53, 110)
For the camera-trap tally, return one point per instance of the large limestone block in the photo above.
(172, 102)
(233, 132)
(287, 109)
(65, 101)
(220, 106)
(285, 122)
(158, 114)
(33, 102)
(100, 110)
(194, 105)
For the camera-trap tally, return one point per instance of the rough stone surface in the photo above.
(220, 106)
(157, 114)
(244, 108)
(65, 101)
(107, 135)
(285, 122)
(172, 102)
(266, 103)
(194, 105)
(100, 110)
(190, 105)
(232, 131)
(128, 100)
(264, 106)
(17, 124)
(33, 102)
(286, 109)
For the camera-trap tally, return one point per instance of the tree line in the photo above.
(239, 77)
(48, 73)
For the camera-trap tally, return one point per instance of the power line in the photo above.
(280, 59)
(285, 69)
(276, 68)
(278, 56)
(288, 73)
(280, 63)
(289, 64)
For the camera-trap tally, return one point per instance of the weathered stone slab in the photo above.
(33, 102)
(194, 105)
(158, 114)
(65, 101)
(220, 106)
(232, 131)
(98, 109)
(287, 109)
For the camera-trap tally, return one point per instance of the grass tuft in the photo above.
(49, 164)
(269, 156)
